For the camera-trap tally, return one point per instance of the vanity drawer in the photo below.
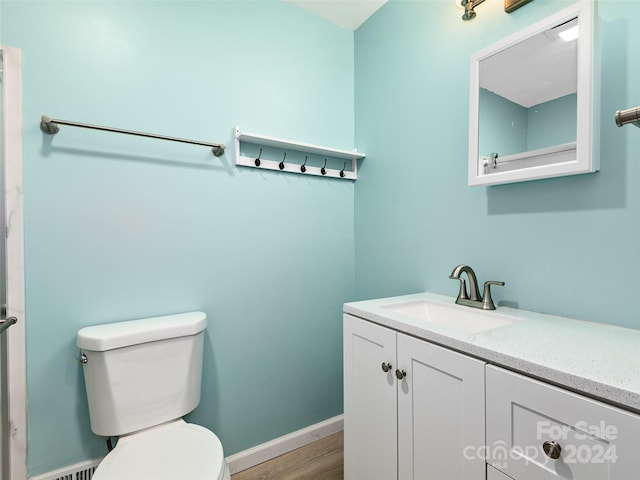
(596, 441)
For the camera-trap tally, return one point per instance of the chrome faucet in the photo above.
(472, 299)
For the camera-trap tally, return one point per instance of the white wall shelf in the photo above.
(296, 162)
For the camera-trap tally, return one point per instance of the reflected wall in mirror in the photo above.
(531, 102)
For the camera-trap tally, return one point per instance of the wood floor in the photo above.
(320, 460)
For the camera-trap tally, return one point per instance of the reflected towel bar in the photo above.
(630, 115)
(494, 160)
(50, 125)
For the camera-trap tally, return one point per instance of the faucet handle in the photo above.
(487, 301)
(463, 287)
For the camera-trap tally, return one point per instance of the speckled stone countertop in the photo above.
(601, 361)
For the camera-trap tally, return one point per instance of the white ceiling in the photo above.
(541, 68)
(349, 14)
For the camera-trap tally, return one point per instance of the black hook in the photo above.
(257, 161)
(281, 164)
(323, 170)
(342, 171)
(302, 167)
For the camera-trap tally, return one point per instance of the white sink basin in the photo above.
(458, 317)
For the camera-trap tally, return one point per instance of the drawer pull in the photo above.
(400, 374)
(552, 449)
(386, 367)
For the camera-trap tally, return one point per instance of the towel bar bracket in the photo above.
(630, 115)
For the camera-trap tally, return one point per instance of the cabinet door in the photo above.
(440, 413)
(370, 402)
(591, 440)
(493, 474)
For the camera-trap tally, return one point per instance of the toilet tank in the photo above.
(142, 373)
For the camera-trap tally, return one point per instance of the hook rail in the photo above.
(298, 166)
(50, 125)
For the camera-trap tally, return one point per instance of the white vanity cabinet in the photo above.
(412, 410)
(570, 413)
(585, 439)
(493, 474)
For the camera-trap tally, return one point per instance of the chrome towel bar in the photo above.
(50, 125)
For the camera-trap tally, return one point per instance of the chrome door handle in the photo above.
(400, 374)
(386, 366)
(4, 324)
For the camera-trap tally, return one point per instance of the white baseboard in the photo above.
(281, 445)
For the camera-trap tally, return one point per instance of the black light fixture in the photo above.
(469, 5)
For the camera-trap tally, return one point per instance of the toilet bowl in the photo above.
(174, 451)
(142, 377)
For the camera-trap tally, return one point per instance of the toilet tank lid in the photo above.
(109, 336)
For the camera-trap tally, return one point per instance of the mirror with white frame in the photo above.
(531, 102)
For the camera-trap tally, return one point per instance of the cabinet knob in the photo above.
(552, 449)
(386, 366)
(400, 374)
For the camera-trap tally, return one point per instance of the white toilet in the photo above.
(141, 377)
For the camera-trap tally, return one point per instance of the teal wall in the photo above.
(506, 127)
(502, 125)
(120, 228)
(552, 123)
(567, 246)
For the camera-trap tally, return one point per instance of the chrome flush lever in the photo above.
(4, 324)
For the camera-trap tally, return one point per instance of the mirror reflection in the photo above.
(528, 98)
